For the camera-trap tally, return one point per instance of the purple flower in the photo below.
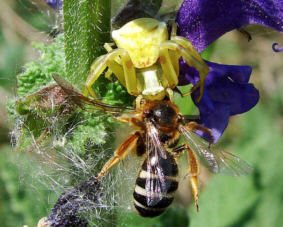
(227, 91)
(55, 4)
(204, 21)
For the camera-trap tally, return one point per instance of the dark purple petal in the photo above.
(204, 21)
(56, 4)
(216, 121)
(226, 93)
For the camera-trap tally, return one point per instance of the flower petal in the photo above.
(56, 4)
(226, 93)
(216, 121)
(204, 21)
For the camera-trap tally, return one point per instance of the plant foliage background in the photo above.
(255, 200)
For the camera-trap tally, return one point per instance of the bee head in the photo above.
(163, 114)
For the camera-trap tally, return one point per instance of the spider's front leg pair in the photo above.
(119, 62)
(170, 53)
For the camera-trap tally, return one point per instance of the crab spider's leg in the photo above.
(173, 54)
(203, 71)
(175, 61)
(170, 94)
(192, 61)
(167, 66)
(97, 69)
(185, 43)
(118, 71)
(130, 144)
(108, 74)
(129, 74)
(108, 46)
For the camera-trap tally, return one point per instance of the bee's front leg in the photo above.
(129, 145)
(193, 170)
(193, 173)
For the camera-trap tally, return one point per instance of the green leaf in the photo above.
(39, 73)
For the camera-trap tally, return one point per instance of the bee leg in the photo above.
(193, 172)
(179, 150)
(195, 126)
(120, 153)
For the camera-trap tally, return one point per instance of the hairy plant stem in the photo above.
(87, 28)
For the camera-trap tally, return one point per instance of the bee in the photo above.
(146, 60)
(159, 127)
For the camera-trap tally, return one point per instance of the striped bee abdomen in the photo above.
(155, 185)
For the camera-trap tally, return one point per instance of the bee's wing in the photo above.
(155, 184)
(218, 161)
(85, 102)
(154, 141)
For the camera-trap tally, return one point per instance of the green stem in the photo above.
(86, 29)
(86, 26)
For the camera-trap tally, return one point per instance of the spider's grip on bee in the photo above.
(145, 60)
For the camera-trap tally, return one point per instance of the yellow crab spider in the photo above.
(145, 61)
